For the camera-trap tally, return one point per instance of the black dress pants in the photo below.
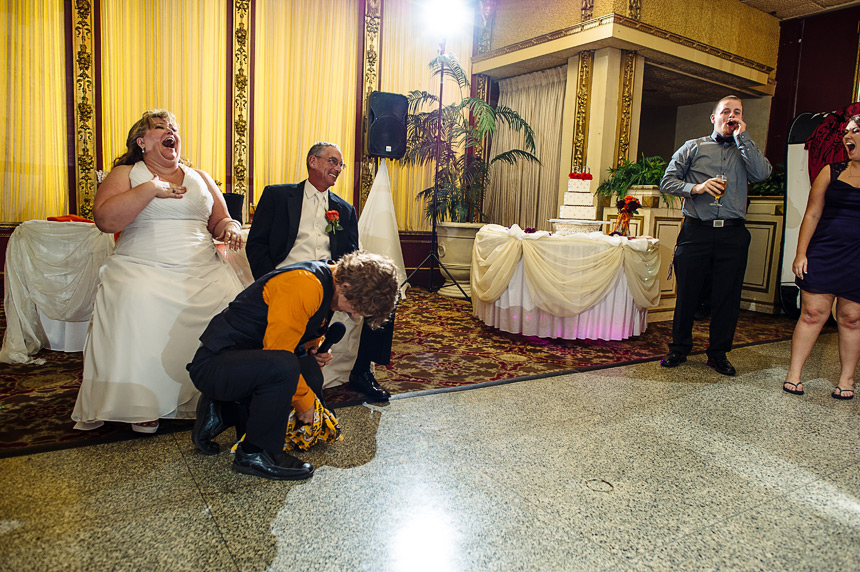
(374, 346)
(258, 384)
(718, 255)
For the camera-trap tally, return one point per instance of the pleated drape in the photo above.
(527, 193)
(407, 48)
(304, 87)
(33, 148)
(167, 54)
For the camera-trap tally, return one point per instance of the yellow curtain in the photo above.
(168, 54)
(34, 166)
(407, 48)
(527, 193)
(304, 87)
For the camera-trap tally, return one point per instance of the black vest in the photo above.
(242, 324)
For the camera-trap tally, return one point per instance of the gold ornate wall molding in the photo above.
(612, 19)
(370, 77)
(241, 88)
(481, 82)
(487, 12)
(587, 10)
(634, 8)
(856, 92)
(583, 103)
(85, 170)
(625, 105)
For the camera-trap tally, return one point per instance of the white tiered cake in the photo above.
(578, 200)
(577, 212)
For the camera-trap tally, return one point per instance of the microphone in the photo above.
(334, 334)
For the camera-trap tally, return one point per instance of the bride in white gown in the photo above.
(162, 285)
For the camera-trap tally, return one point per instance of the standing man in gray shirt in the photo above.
(711, 174)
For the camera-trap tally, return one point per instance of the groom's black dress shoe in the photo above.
(365, 383)
(673, 359)
(209, 424)
(721, 365)
(278, 467)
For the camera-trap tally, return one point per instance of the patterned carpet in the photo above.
(438, 344)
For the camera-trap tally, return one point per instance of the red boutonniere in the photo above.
(629, 205)
(583, 176)
(333, 219)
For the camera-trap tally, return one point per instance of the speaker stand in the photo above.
(433, 257)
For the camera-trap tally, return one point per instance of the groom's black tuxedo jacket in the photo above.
(273, 234)
(276, 224)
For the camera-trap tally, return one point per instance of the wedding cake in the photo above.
(578, 201)
(577, 212)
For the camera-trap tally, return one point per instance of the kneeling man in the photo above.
(253, 352)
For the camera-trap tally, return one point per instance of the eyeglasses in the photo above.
(335, 163)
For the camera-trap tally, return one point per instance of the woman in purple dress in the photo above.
(827, 266)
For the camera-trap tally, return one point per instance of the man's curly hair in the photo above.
(369, 283)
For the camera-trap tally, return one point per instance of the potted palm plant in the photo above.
(455, 139)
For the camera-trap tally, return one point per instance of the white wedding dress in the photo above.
(158, 291)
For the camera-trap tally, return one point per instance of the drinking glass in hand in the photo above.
(721, 192)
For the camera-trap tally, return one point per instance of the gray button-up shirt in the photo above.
(701, 159)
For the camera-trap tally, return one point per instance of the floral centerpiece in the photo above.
(579, 175)
(627, 207)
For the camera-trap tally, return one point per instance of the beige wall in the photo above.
(695, 121)
(725, 24)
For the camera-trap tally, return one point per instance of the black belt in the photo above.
(716, 223)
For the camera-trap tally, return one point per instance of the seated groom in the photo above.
(292, 224)
(252, 354)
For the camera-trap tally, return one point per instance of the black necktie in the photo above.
(720, 139)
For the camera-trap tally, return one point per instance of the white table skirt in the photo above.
(64, 336)
(615, 317)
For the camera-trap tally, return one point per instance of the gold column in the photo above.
(583, 103)
(487, 13)
(370, 75)
(241, 87)
(625, 105)
(856, 93)
(85, 170)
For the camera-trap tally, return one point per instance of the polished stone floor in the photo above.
(629, 468)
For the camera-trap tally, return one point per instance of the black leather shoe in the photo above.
(673, 359)
(208, 425)
(721, 365)
(365, 383)
(279, 467)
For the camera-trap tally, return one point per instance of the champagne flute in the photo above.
(722, 191)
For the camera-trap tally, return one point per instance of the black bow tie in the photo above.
(720, 139)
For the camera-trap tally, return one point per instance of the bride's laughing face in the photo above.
(161, 140)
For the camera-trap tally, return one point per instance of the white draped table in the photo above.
(50, 282)
(576, 286)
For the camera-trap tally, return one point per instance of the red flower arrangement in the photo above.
(333, 219)
(583, 176)
(628, 205)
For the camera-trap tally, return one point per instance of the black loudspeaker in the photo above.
(386, 129)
